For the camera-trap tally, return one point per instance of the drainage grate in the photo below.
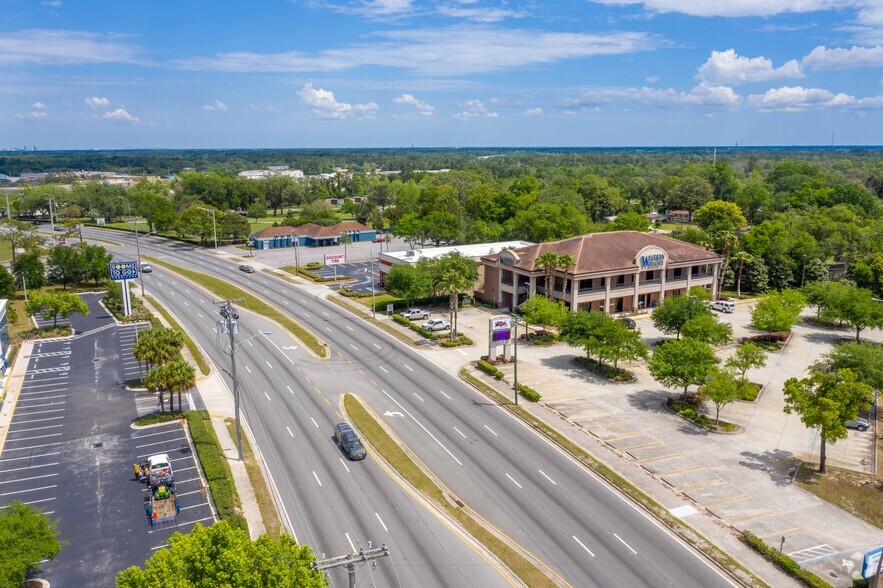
(98, 444)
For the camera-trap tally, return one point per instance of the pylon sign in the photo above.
(123, 270)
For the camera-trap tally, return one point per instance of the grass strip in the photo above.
(269, 514)
(396, 457)
(225, 290)
(783, 562)
(188, 342)
(687, 533)
(114, 243)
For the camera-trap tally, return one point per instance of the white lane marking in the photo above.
(289, 389)
(250, 343)
(461, 433)
(289, 431)
(325, 313)
(268, 364)
(329, 329)
(285, 301)
(268, 397)
(422, 427)
(348, 327)
(343, 463)
(314, 422)
(583, 546)
(201, 301)
(249, 370)
(171, 292)
(265, 282)
(277, 348)
(407, 366)
(186, 303)
(200, 315)
(354, 347)
(320, 483)
(513, 481)
(304, 301)
(383, 368)
(463, 352)
(418, 397)
(351, 542)
(551, 480)
(214, 329)
(306, 315)
(626, 544)
(381, 522)
(285, 292)
(267, 292)
(376, 345)
(491, 430)
(445, 395)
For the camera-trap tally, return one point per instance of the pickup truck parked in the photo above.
(413, 314)
(436, 325)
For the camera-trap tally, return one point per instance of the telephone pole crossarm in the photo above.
(350, 560)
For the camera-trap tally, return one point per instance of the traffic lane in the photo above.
(369, 490)
(302, 300)
(247, 370)
(489, 462)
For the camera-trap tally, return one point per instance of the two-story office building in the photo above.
(621, 271)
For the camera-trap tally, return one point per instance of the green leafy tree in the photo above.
(579, 330)
(19, 235)
(741, 258)
(816, 270)
(864, 359)
(682, 363)
(749, 355)
(542, 311)
(721, 387)
(454, 274)
(29, 270)
(7, 283)
(857, 307)
(629, 220)
(778, 312)
(65, 265)
(619, 343)
(279, 190)
(826, 401)
(51, 305)
(720, 214)
(706, 328)
(409, 282)
(154, 203)
(547, 221)
(257, 210)
(346, 241)
(27, 538)
(221, 555)
(758, 276)
(670, 316)
(700, 293)
(548, 261)
(197, 222)
(691, 194)
(96, 260)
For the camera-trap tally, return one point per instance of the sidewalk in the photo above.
(9, 396)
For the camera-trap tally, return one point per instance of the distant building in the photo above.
(619, 271)
(311, 235)
(273, 170)
(340, 201)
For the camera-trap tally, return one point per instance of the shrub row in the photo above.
(159, 417)
(783, 562)
(608, 371)
(691, 411)
(215, 467)
(401, 320)
(460, 340)
(427, 301)
(45, 333)
(529, 393)
(489, 369)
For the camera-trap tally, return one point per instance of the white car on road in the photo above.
(436, 325)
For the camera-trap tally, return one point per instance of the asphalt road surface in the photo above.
(584, 531)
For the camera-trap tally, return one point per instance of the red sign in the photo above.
(62, 241)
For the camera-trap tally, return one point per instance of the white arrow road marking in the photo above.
(389, 413)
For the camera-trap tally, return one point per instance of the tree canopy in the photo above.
(27, 537)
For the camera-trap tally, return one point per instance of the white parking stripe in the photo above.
(160, 442)
(28, 490)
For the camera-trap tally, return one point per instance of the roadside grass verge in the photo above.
(225, 290)
(687, 533)
(269, 514)
(855, 492)
(106, 241)
(188, 342)
(211, 459)
(396, 457)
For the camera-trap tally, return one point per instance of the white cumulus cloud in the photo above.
(216, 105)
(422, 107)
(97, 101)
(740, 7)
(474, 109)
(798, 98)
(120, 115)
(325, 105)
(727, 67)
(479, 13)
(265, 106)
(703, 97)
(533, 111)
(38, 106)
(838, 58)
(33, 115)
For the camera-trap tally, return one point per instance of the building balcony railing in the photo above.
(506, 282)
(653, 282)
(702, 276)
(626, 286)
(595, 290)
(680, 278)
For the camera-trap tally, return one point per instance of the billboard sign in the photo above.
(334, 258)
(123, 270)
(871, 563)
(501, 329)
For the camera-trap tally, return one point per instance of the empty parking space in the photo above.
(126, 335)
(359, 272)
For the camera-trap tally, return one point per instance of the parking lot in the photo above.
(360, 272)
(70, 448)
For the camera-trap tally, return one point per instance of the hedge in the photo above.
(608, 371)
(783, 562)
(529, 393)
(159, 417)
(401, 320)
(489, 369)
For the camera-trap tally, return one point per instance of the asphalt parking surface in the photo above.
(360, 272)
(70, 448)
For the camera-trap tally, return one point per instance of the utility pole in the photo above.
(515, 366)
(373, 303)
(350, 560)
(51, 217)
(137, 241)
(229, 326)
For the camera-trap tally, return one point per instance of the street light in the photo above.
(214, 224)
(516, 320)
(137, 242)
(296, 238)
(51, 218)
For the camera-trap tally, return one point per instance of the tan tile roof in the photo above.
(599, 252)
(312, 230)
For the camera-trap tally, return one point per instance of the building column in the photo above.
(689, 278)
(499, 299)
(662, 287)
(574, 292)
(531, 287)
(606, 294)
(635, 295)
(714, 292)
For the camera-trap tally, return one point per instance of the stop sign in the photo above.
(62, 241)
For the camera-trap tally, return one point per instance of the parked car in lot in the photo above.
(349, 442)
(629, 323)
(415, 313)
(859, 424)
(246, 268)
(436, 325)
(723, 306)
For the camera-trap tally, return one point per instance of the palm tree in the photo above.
(548, 261)
(345, 240)
(180, 377)
(742, 257)
(565, 262)
(454, 273)
(154, 382)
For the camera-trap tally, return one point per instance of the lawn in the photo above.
(855, 492)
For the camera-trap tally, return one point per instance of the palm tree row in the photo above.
(158, 348)
(550, 261)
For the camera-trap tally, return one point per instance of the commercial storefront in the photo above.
(616, 272)
(311, 235)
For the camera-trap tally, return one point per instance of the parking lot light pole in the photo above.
(214, 224)
(296, 256)
(373, 303)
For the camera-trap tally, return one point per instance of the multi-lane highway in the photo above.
(585, 532)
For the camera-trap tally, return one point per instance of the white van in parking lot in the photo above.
(723, 306)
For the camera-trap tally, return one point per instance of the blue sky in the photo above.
(82, 74)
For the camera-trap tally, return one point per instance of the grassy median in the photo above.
(269, 514)
(188, 342)
(396, 457)
(226, 290)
